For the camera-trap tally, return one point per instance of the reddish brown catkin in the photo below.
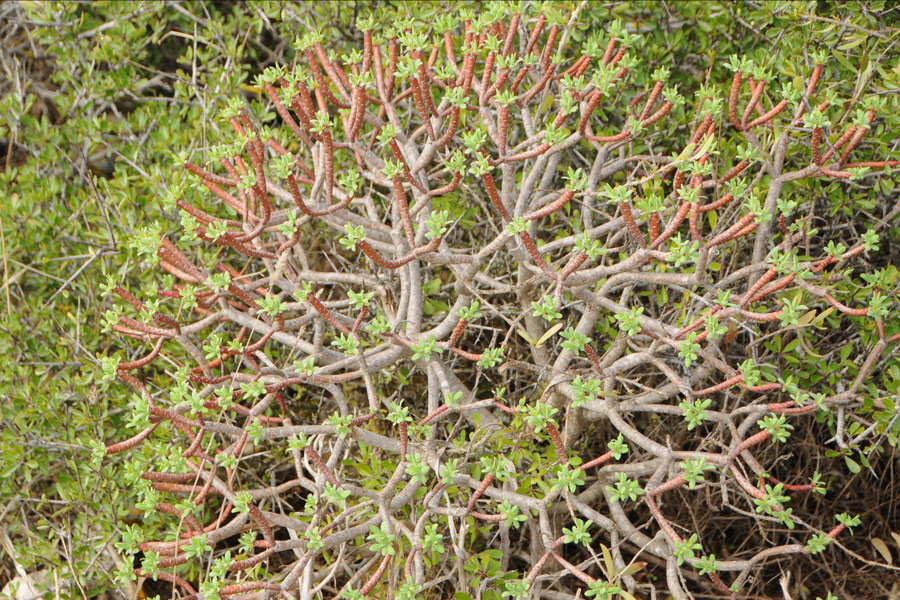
(376, 576)
(651, 99)
(751, 441)
(481, 489)
(754, 100)
(733, 99)
(573, 265)
(323, 468)
(839, 143)
(766, 278)
(635, 231)
(535, 33)
(654, 226)
(326, 314)
(548, 48)
(768, 116)
(551, 208)
(561, 454)
(694, 222)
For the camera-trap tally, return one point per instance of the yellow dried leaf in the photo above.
(808, 348)
(853, 43)
(806, 318)
(686, 152)
(525, 336)
(547, 335)
(823, 315)
(632, 569)
(608, 560)
(883, 550)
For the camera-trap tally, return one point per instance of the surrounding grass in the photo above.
(99, 99)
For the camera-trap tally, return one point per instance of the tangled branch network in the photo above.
(405, 413)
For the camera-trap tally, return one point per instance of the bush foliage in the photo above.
(451, 301)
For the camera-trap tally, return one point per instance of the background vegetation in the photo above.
(99, 99)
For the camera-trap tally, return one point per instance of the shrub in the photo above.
(379, 361)
(93, 98)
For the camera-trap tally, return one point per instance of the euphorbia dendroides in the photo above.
(439, 214)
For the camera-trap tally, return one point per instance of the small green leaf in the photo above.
(852, 465)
